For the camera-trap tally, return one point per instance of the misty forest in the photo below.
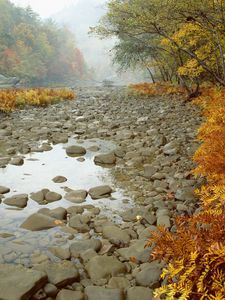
(112, 137)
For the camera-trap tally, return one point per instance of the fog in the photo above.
(78, 16)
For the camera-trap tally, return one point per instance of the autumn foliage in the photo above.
(10, 99)
(155, 89)
(195, 253)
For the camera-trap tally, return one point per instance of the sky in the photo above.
(46, 8)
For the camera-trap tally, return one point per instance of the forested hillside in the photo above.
(36, 50)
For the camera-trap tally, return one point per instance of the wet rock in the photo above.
(58, 213)
(62, 253)
(38, 222)
(101, 293)
(17, 282)
(138, 292)
(77, 196)
(99, 192)
(59, 274)
(17, 200)
(39, 197)
(4, 161)
(94, 148)
(4, 190)
(75, 150)
(70, 295)
(80, 246)
(5, 235)
(52, 197)
(17, 161)
(59, 179)
(104, 267)
(149, 276)
(105, 159)
(115, 235)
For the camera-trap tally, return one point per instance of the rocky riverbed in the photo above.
(82, 183)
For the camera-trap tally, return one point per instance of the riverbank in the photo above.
(149, 164)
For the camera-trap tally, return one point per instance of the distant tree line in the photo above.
(177, 41)
(36, 50)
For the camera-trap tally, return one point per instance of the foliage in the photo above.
(195, 253)
(181, 41)
(10, 99)
(155, 89)
(36, 50)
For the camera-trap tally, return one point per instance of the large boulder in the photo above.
(17, 200)
(38, 222)
(17, 282)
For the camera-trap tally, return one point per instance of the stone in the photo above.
(185, 194)
(4, 190)
(51, 290)
(75, 150)
(77, 196)
(138, 292)
(115, 235)
(80, 246)
(101, 293)
(79, 222)
(52, 197)
(70, 295)
(17, 161)
(164, 220)
(99, 192)
(59, 274)
(136, 249)
(87, 255)
(138, 213)
(104, 267)
(119, 283)
(149, 276)
(17, 200)
(58, 213)
(171, 148)
(149, 171)
(62, 253)
(59, 179)
(39, 197)
(17, 282)
(105, 159)
(37, 222)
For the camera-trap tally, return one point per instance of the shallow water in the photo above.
(37, 173)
